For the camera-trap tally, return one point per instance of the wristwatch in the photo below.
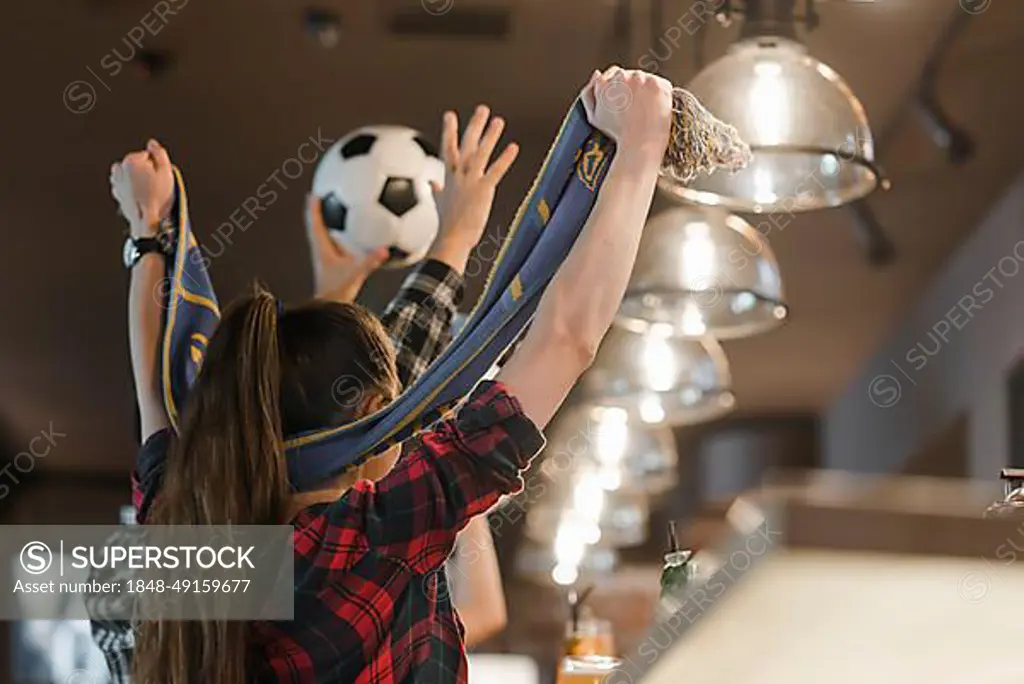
(161, 243)
(134, 249)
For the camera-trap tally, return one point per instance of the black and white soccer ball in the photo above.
(374, 189)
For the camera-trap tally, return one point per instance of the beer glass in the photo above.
(588, 669)
(591, 637)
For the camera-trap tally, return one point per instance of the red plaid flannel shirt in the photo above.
(372, 604)
(371, 598)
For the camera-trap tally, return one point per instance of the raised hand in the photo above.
(633, 107)
(143, 185)
(338, 275)
(471, 178)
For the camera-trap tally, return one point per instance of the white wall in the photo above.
(950, 355)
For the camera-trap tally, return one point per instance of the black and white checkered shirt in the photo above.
(419, 320)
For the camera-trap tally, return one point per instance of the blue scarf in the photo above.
(545, 228)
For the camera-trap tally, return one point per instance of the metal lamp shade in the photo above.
(580, 516)
(623, 522)
(536, 562)
(623, 456)
(658, 379)
(809, 135)
(703, 271)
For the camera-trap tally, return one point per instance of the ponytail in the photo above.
(226, 468)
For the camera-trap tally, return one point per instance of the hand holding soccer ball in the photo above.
(385, 187)
(374, 187)
(338, 274)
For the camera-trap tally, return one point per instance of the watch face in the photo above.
(131, 253)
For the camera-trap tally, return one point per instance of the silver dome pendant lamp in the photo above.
(811, 143)
(656, 379)
(701, 271)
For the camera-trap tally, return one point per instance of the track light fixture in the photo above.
(153, 63)
(878, 248)
(956, 142)
(947, 136)
(324, 25)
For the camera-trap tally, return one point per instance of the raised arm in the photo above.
(143, 185)
(461, 467)
(580, 303)
(420, 318)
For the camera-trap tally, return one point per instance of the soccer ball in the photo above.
(374, 190)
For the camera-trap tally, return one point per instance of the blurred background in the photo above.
(851, 301)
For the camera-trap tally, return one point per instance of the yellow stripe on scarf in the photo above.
(544, 210)
(516, 288)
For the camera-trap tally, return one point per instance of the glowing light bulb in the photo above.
(614, 413)
(764, 187)
(575, 531)
(588, 497)
(610, 478)
(829, 165)
(769, 100)
(698, 256)
(743, 302)
(565, 574)
(651, 410)
(590, 533)
(662, 330)
(659, 364)
(612, 436)
(768, 69)
(692, 324)
(569, 546)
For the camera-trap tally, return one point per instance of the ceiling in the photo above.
(248, 86)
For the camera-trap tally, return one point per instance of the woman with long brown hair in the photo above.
(370, 605)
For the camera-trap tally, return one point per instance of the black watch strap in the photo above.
(136, 248)
(147, 245)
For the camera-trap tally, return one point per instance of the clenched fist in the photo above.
(143, 185)
(633, 107)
